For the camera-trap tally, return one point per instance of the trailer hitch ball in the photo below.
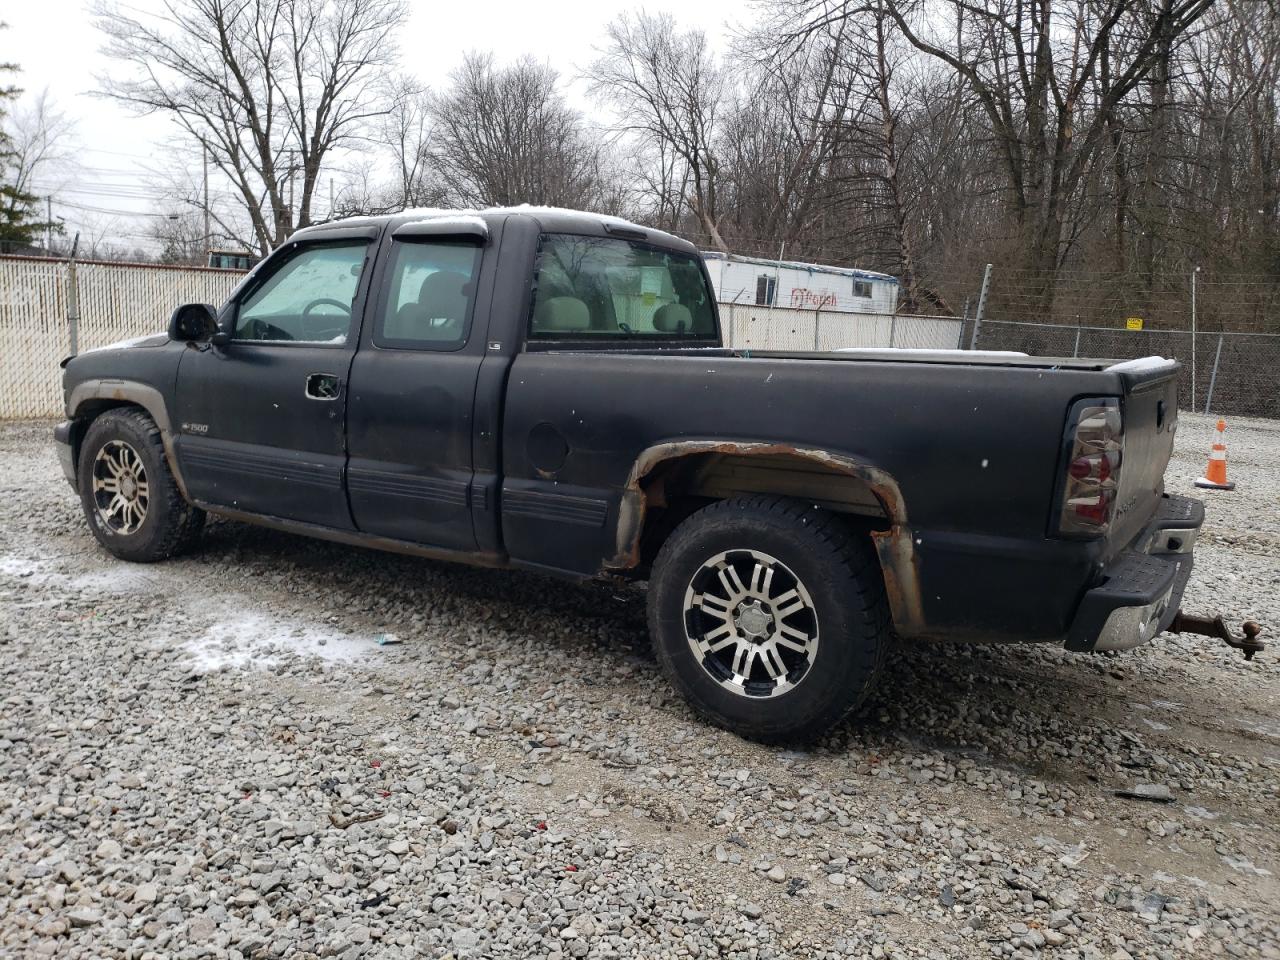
(1249, 644)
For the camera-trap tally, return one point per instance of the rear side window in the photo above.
(603, 287)
(429, 297)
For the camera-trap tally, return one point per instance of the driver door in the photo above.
(260, 421)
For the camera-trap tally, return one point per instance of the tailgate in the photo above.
(1150, 417)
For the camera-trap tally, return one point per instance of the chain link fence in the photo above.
(117, 301)
(44, 303)
(1222, 373)
(1227, 373)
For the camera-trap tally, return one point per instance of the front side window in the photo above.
(308, 299)
(589, 287)
(429, 297)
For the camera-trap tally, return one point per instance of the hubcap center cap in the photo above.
(128, 487)
(753, 620)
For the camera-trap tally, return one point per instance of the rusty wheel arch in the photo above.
(895, 546)
(96, 397)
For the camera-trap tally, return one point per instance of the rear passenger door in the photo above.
(413, 381)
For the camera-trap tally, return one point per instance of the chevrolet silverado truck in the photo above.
(549, 390)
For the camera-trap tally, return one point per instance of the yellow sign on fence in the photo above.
(1133, 323)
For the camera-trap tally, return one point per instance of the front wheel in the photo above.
(129, 495)
(769, 616)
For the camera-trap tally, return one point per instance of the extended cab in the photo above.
(549, 390)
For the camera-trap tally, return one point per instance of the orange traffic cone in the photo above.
(1215, 475)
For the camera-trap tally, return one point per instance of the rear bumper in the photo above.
(66, 451)
(1142, 587)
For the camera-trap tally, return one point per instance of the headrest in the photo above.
(441, 285)
(562, 313)
(673, 318)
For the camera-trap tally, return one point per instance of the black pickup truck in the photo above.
(549, 390)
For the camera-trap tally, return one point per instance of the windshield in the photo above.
(589, 287)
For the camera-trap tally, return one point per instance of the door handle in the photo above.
(323, 386)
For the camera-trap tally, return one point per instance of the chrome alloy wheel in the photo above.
(121, 491)
(750, 623)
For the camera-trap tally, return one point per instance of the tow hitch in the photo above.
(1249, 644)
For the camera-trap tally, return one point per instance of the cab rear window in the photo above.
(603, 287)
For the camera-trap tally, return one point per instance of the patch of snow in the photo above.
(117, 577)
(455, 221)
(251, 639)
(339, 340)
(1245, 865)
(1200, 813)
(11, 566)
(470, 214)
(1141, 365)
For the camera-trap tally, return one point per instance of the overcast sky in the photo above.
(55, 44)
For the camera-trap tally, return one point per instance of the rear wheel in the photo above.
(770, 617)
(129, 495)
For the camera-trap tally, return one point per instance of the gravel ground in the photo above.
(215, 757)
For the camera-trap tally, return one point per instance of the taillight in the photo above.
(1094, 458)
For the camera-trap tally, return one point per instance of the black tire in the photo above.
(848, 614)
(169, 525)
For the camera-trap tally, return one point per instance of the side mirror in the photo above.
(193, 321)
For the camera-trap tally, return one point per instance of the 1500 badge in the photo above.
(195, 428)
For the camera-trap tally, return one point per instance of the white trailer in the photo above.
(803, 286)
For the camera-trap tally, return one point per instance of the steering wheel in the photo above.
(327, 301)
(257, 329)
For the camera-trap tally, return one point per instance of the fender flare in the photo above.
(895, 547)
(131, 392)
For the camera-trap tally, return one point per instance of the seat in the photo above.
(437, 315)
(561, 315)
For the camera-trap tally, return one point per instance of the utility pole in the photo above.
(73, 298)
(331, 198)
(1193, 337)
(982, 307)
(293, 171)
(48, 225)
(208, 243)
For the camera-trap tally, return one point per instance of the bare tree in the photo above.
(505, 135)
(1030, 65)
(270, 88)
(668, 90)
(407, 130)
(781, 137)
(1049, 80)
(181, 238)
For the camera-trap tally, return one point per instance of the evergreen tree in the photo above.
(18, 225)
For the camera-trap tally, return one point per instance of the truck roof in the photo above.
(550, 219)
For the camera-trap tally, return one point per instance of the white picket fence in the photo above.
(117, 301)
